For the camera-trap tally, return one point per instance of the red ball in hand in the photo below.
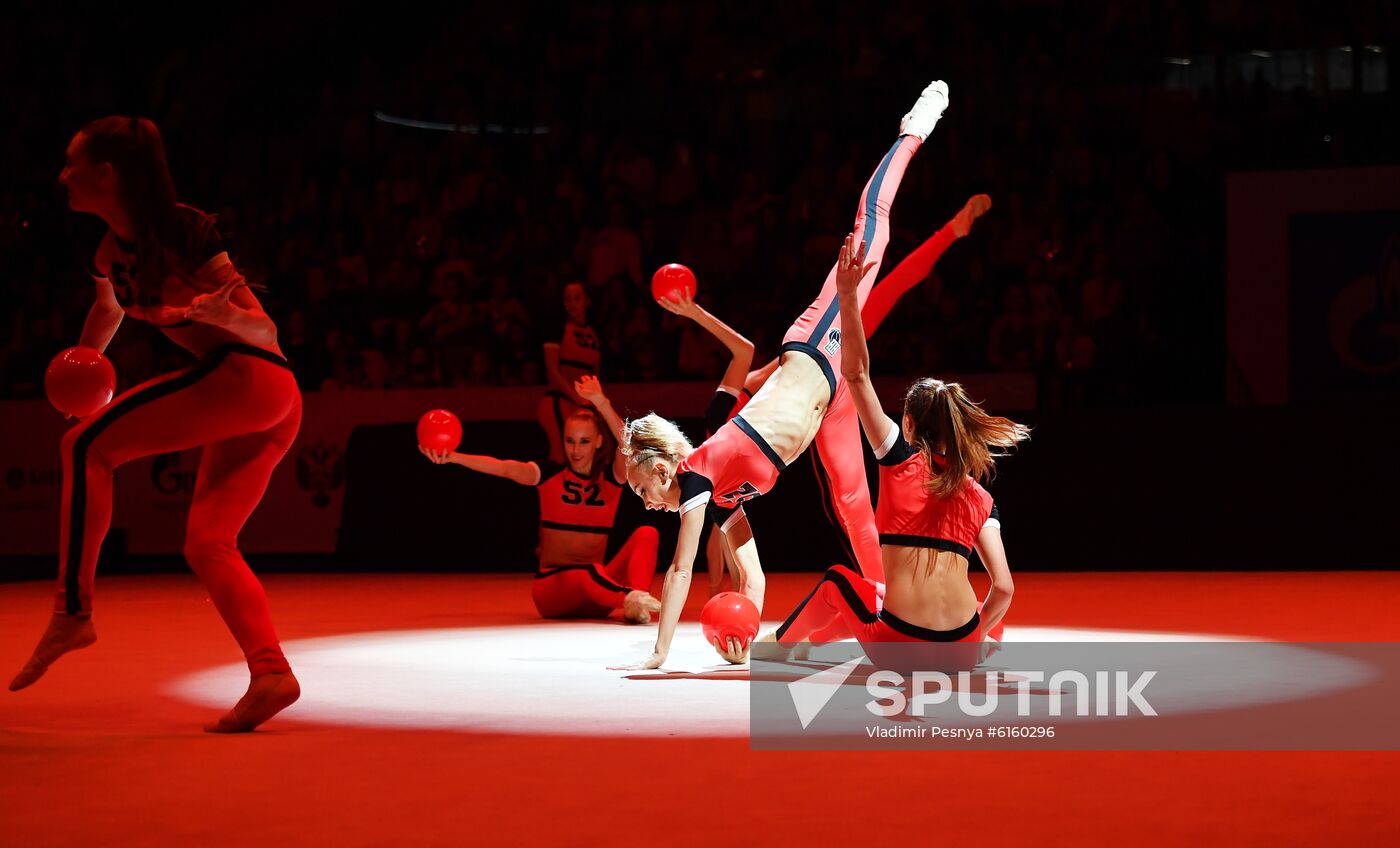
(439, 430)
(729, 615)
(80, 381)
(670, 281)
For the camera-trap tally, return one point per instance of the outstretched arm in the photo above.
(591, 390)
(524, 473)
(675, 589)
(740, 348)
(855, 355)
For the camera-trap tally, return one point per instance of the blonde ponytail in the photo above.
(651, 437)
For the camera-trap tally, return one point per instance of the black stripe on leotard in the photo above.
(906, 541)
(955, 635)
(598, 577)
(747, 429)
(77, 515)
(575, 528)
(848, 592)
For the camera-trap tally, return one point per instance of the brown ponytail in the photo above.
(945, 418)
(134, 148)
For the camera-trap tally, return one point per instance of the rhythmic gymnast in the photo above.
(932, 513)
(915, 267)
(578, 505)
(576, 355)
(164, 263)
(739, 384)
(801, 402)
(723, 406)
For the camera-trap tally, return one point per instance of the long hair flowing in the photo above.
(146, 192)
(945, 419)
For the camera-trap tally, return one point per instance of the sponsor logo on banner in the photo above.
(171, 477)
(33, 478)
(30, 491)
(321, 470)
(1363, 322)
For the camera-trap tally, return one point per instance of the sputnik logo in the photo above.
(812, 693)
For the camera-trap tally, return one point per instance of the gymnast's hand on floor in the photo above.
(734, 651)
(653, 661)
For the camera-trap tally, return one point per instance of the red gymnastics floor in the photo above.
(407, 733)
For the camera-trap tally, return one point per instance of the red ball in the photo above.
(80, 381)
(439, 430)
(729, 615)
(670, 280)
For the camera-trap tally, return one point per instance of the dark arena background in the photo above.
(1187, 284)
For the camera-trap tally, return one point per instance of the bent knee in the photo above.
(841, 574)
(203, 548)
(80, 444)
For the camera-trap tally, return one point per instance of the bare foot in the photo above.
(267, 695)
(781, 652)
(65, 633)
(990, 647)
(638, 607)
(975, 207)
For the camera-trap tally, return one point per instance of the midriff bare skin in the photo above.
(788, 410)
(927, 587)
